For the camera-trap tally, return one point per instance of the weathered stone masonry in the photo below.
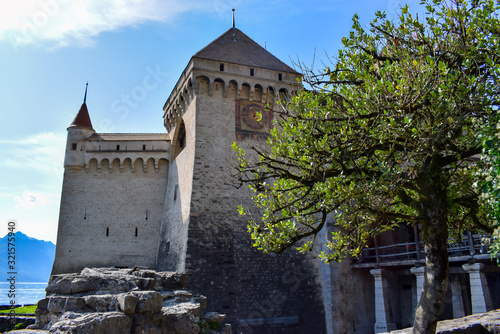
(179, 180)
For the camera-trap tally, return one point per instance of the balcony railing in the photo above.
(472, 244)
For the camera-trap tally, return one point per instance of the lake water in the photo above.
(26, 293)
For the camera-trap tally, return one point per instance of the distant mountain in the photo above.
(34, 258)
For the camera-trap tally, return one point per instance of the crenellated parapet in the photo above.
(120, 152)
(123, 164)
(229, 81)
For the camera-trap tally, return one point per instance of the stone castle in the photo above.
(162, 201)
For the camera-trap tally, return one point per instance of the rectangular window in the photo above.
(252, 72)
(280, 76)
(136, 231)
(107, 231)
(117, 147)
(144, 147)
(221, 67)
(73, 146)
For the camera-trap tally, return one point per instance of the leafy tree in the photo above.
(386, 135)
(489, 185)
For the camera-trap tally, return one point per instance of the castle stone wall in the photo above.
(110, 217)
(112, 182)
(176, 217)
(260, 293)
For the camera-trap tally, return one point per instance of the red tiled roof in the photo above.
(234, 46)
(82, 118)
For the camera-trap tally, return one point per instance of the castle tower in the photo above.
(215, 103)
(80, 128)
(164, 200)
(112, 198)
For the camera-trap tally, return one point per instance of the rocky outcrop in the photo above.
(483, 323)
(108, 300)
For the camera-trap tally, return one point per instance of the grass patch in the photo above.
(22, 310)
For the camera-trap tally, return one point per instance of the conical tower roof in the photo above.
(82, 118)
(234, 46)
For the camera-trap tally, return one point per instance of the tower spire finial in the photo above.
(233, 17)
(85, 96)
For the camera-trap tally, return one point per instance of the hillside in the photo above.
(34, 258)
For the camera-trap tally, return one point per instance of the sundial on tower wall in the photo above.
(253, 120)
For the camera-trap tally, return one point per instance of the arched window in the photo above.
(180, 140)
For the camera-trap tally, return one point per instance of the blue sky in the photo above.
(49, 49)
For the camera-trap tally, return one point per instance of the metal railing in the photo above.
(471, 244)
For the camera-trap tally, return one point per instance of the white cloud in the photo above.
(43, 152)
(30, 200)
(77, 21)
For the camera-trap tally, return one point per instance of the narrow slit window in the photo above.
(107, 231)
(144, 147)
(221, 67)
(252, 72)
(136, 230)
(117, 147)
(181, 137)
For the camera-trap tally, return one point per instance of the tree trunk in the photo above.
(435, 238)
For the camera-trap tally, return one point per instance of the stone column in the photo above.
(419, 272)
(457, 297)
(480, 294)
(382, 312)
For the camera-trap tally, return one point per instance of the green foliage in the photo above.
(20, 325)
(387, 134)
(208, 327)
(489, 187)
(29, 309)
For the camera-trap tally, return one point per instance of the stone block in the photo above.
(213, 317)
(149, 301)
(183, 295)
(59, 284)
(173, 280)
(149, 329)
(193, 308)
(93, 323)
(146, 325)
(42, 304)
(127, 303)
(74, 304)
(178, 323)
(102, 303)
(168, 295)
(56, 304)
(83, 284)
(146, 283)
